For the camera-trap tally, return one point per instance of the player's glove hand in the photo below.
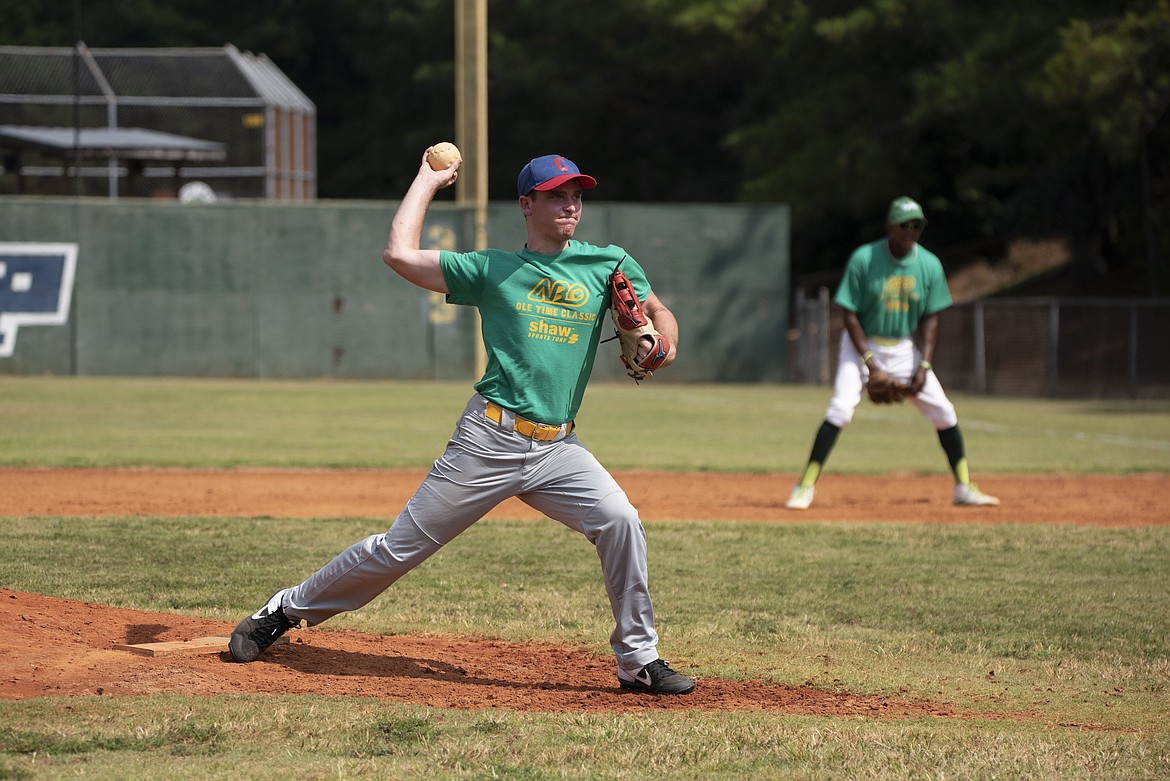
(882, 389)
(917, 381)
(643, 348)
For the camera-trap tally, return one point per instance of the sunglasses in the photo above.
(914, 225)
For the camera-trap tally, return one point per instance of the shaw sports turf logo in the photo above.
(36, 286)
(556, 307)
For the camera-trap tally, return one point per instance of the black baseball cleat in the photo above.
(656, 678)
(254, 634)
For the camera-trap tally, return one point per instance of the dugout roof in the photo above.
(132, 143)
(165, 116)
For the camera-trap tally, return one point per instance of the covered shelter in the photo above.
(74, 147)
(144, 122)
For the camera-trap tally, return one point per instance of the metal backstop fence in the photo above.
(1050, 346)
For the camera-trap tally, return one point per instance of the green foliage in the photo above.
(1006, 119)
(1116, 76)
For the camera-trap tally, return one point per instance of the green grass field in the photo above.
(1064, 632)
(104, 422)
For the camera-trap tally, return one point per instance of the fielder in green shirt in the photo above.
(891, 293)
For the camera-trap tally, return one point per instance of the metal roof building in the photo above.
(144, 122)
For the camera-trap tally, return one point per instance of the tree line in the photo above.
(1005, 119)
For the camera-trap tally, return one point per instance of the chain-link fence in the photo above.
(1054, 347)
(167, 117)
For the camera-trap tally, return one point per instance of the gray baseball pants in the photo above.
(485, 463)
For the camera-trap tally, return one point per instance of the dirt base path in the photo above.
(51, 646)
(1131, 500)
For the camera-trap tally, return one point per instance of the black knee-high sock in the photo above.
(951, 440)
(823, 445)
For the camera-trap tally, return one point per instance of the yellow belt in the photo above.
(528, 428)
(885, 341)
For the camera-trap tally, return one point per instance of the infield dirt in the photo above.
(53, 646)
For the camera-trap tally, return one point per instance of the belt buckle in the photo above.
(545, 433)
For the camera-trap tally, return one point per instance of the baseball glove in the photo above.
(882, 388)
(632, 327)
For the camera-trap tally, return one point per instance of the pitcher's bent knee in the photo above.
(614, 518)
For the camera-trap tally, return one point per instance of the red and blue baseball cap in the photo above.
(550, 172)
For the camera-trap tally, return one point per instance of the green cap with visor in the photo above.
(905, 209)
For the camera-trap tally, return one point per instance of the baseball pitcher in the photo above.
(543, 316)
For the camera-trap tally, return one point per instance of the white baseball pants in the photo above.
(900, 359)
(485, 463)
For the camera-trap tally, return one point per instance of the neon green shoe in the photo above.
(969, 495)
(801, 498)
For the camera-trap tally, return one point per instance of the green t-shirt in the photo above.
(542, 318)
(891, 296)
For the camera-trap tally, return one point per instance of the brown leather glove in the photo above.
(882, 389)
(632, 327)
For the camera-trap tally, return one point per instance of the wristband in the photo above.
(865, 356)
(925, 364)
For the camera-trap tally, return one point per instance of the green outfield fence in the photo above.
(1067, 347)
(278, 290)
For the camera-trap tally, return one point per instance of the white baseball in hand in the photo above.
(442, 154)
